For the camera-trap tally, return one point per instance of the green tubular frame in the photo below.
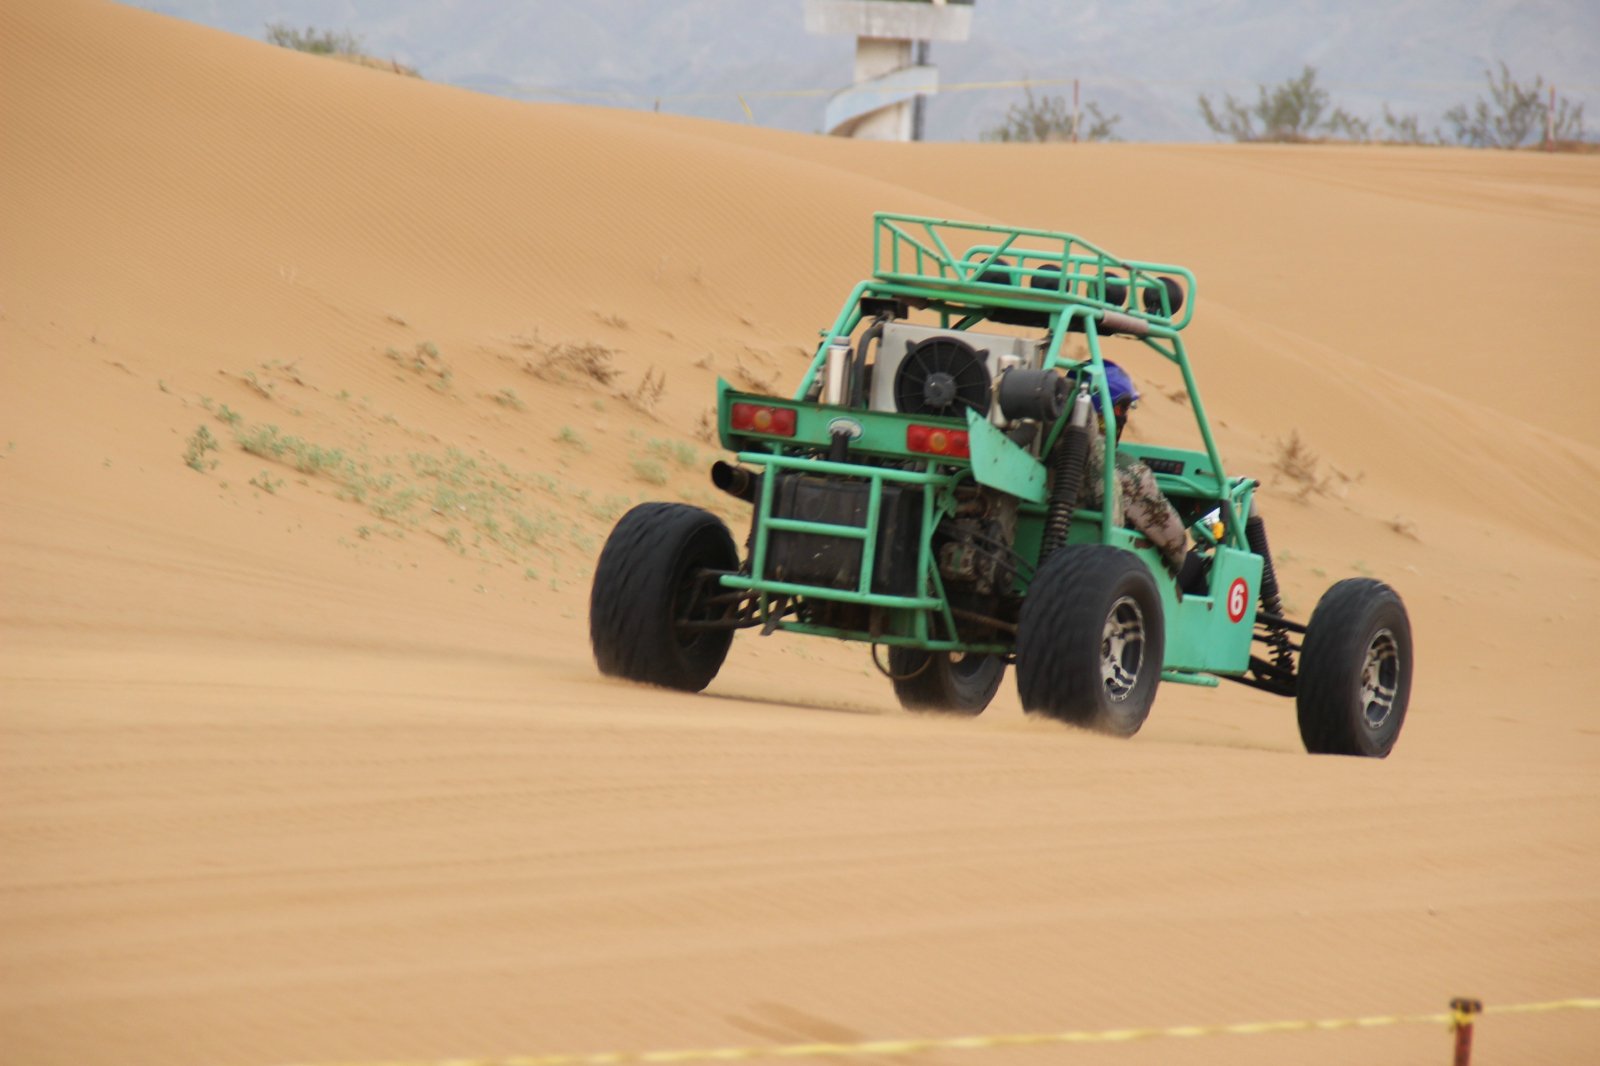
(913, 261)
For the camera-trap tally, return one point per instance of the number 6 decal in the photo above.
(1238, 599)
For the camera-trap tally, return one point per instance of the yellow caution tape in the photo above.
(966, 1043)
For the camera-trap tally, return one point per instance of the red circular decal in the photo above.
(1238, 599)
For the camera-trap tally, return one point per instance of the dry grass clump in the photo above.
(580, 362)
(568, 361)
(1404, 526)
(424, 359)
(648, 393)
(1300, 465)
(762, 379)
(509, 398)
(705, 428)
(1296, 461)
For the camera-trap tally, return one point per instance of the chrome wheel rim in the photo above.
(1380, 679)
(1122, 646)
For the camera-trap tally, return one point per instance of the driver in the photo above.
(1141, 505)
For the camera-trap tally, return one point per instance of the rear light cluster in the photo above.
(758, 418)
(934, 440)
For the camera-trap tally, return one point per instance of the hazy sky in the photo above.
(1146, 60)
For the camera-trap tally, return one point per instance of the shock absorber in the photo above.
(1067, 465)
(1255, 531)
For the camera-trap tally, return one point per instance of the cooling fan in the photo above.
(942, 376)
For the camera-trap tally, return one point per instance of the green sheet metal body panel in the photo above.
(1000, 464)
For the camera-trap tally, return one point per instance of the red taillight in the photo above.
(935, 440)
(756, 418)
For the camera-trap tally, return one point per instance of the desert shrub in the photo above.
(1291, 111)
(338, 44)
(1050, 118)
(317, 42)
(199, 444)
(650, 471)
(1514, 114)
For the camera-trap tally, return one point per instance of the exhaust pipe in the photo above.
(736, 481)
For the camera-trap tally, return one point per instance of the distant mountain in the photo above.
(1145, 60)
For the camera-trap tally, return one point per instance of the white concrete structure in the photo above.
(890, 74)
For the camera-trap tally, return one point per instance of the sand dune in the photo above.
(304, 757)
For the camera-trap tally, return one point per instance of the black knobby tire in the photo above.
(649, 578)
(1355, 671)
(1090, 639)
(943, 682)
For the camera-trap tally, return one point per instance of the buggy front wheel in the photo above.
(1355, 671)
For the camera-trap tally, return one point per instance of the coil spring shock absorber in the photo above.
(1067, 464)
(1255, 531)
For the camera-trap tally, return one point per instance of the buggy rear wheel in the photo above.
(944, 681)
(1355, 671)
(653, 583)
(1091, 639)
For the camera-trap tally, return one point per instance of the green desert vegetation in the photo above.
(1045, 118)
(475, 505)
(1515, 113)
(649, 471)
(200, 443)
(424, 360)
(336, 44)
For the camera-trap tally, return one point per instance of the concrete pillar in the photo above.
(877, 57)
(891, 73)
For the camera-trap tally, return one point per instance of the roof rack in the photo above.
(1031, 266)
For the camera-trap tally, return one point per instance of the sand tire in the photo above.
(945, 682)
(648, 580)
(1355, 671)
(1090, 639)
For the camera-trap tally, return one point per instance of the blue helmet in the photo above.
(1120, 384)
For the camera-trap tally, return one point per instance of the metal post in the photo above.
(1549, 122)
(919, 106)
(1462, 1014)
(1075, 117)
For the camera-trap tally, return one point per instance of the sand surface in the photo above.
(304, 758)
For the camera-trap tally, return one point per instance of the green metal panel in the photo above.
(1201, 635)
(1001, 464)
(1202, 631)
(880, 434)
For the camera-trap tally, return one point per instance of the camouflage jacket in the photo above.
(1140, 505)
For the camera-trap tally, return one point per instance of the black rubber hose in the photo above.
(1255, 531)
(858, 366)
(1072, 451)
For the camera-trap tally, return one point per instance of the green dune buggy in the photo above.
(920, 493)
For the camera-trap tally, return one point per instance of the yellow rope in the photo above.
(1461, 1012)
